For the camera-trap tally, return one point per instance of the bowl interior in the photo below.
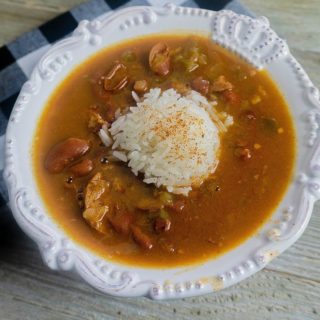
(285, 225)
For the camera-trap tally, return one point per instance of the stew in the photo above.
(103, 205)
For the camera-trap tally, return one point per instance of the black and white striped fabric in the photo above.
(18, 58)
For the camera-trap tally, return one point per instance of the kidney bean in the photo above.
(82, 168)
(121, 222)
(140, 86)
(201, 85)
(141, 238)
(64, 153)
(161, 225)
(159, 59)
(117, 78)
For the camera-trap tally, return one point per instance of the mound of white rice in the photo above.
(172, 139)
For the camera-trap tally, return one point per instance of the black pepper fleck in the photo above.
(104, 160)
(69, 180)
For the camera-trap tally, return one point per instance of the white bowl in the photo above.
(254, 40)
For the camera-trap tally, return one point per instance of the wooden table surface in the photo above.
(289, 288)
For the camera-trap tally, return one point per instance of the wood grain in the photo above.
(289, 288)
(19, 16)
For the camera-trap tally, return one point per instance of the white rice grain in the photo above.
(105, 137)
(173, 140)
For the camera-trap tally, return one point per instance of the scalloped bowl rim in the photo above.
(254, 40)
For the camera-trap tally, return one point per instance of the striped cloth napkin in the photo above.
(18, 58)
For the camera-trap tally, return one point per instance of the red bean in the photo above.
(162, 225)
(82, 168)
(141, 238)
(140, 86)
(64, 153)
(201, 85)
(121, 222)
(159, 59)
(117, 78)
